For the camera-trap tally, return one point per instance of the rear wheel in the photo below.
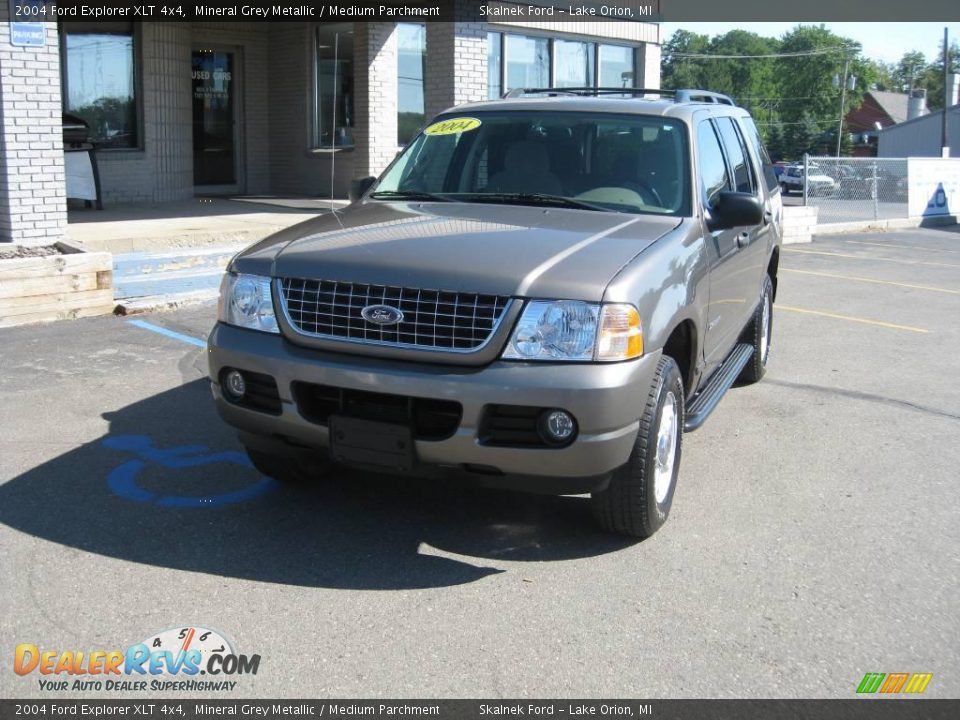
(758, 334)
(637, 501)
(294, 470)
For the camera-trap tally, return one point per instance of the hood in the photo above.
(499, 249)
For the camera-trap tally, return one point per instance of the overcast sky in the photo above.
(880, 40)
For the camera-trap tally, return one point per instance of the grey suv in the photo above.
(542, 292)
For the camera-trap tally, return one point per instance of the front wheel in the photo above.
(758, 334)
(637, 501)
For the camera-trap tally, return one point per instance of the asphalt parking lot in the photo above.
(813, 536)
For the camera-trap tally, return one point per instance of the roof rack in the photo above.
(687, 95)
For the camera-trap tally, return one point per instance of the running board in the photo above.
(706, 400)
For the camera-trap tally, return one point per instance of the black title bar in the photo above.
(490, 10)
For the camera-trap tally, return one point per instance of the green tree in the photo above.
(775, 141)
(907, 70)
(681, 72)
(807, 80)
(932, 77)
(802, 136)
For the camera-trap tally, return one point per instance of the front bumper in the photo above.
(605, 399)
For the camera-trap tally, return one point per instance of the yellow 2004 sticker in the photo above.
(453, 127)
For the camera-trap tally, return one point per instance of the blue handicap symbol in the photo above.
(122, 480)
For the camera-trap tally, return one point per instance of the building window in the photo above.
(333, 97)
(494, 65)
(617, 66)
(98, 67)
(527, 62)
(573, 63)
(411, 57)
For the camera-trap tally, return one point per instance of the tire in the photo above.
(293, 470)
(758, 334)
(784, 188)
(637, 501)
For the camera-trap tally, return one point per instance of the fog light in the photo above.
(557, 427)
(234, 384)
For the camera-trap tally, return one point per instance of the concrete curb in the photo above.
(160, 303)
(888, 224)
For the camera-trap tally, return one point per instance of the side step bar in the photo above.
(704, 402)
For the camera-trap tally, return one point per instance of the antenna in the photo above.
(333, 119)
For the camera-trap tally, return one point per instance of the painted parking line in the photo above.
(169, 333)
(901, 247)
(850, 318)
(851, 256)
(875, 281)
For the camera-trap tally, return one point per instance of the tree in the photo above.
(907, 70)
(680, 72)
(802, 136)
(775, 142)
(932, 76)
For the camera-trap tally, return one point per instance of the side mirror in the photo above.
(359, 186)
(735, 209)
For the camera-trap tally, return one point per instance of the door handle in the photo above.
(743, 239)
(767, 217)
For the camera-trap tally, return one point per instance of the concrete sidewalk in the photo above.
(197, 223)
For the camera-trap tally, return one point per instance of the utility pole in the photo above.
(944, 148)
(843, 97)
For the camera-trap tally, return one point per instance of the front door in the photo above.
(216, 156)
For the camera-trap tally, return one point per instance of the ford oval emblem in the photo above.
(382, 315)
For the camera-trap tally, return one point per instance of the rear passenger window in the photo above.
(753, 137)
(713, 168)
(737, 154)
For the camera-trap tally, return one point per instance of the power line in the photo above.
(708, 56)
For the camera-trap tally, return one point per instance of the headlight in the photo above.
(245, 301)
(571, 330)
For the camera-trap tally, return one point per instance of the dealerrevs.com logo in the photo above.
(172, 660)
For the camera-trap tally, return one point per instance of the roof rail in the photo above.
(686, 95)
(586, 91)
(702, 96)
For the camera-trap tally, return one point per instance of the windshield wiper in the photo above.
(531, 199)
(407, 195)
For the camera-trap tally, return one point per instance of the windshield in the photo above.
(619, 163)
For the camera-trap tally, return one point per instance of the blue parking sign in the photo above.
(28, 34)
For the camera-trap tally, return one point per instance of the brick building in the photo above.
(246, 108)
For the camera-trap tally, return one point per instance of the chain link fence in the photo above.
(847, 189)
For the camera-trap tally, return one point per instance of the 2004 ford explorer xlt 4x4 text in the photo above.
(542, 292)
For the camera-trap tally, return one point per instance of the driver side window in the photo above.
(714, 178)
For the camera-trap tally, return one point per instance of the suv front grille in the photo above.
(430, 419)
(432, 319)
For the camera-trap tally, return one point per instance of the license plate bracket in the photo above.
(371, 443)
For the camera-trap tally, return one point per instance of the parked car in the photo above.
(818, 182)
(540, 293)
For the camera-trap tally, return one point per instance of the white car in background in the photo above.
(818, 184)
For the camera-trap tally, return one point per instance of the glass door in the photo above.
(215, 137)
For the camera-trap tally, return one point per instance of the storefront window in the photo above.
(494, 65)
(616, 66)
(574, 63)
(98, 72)
(528, 62)
(334, 92)
(411, 57)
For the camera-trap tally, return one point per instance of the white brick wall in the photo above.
(456, 70)
(32, 183)
(375, 82)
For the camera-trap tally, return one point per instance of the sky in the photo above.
(881, 40)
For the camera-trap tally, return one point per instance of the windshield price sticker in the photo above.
(453, 127)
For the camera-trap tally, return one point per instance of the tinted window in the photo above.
(753, 136)
(713, 169)
(737, 154)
